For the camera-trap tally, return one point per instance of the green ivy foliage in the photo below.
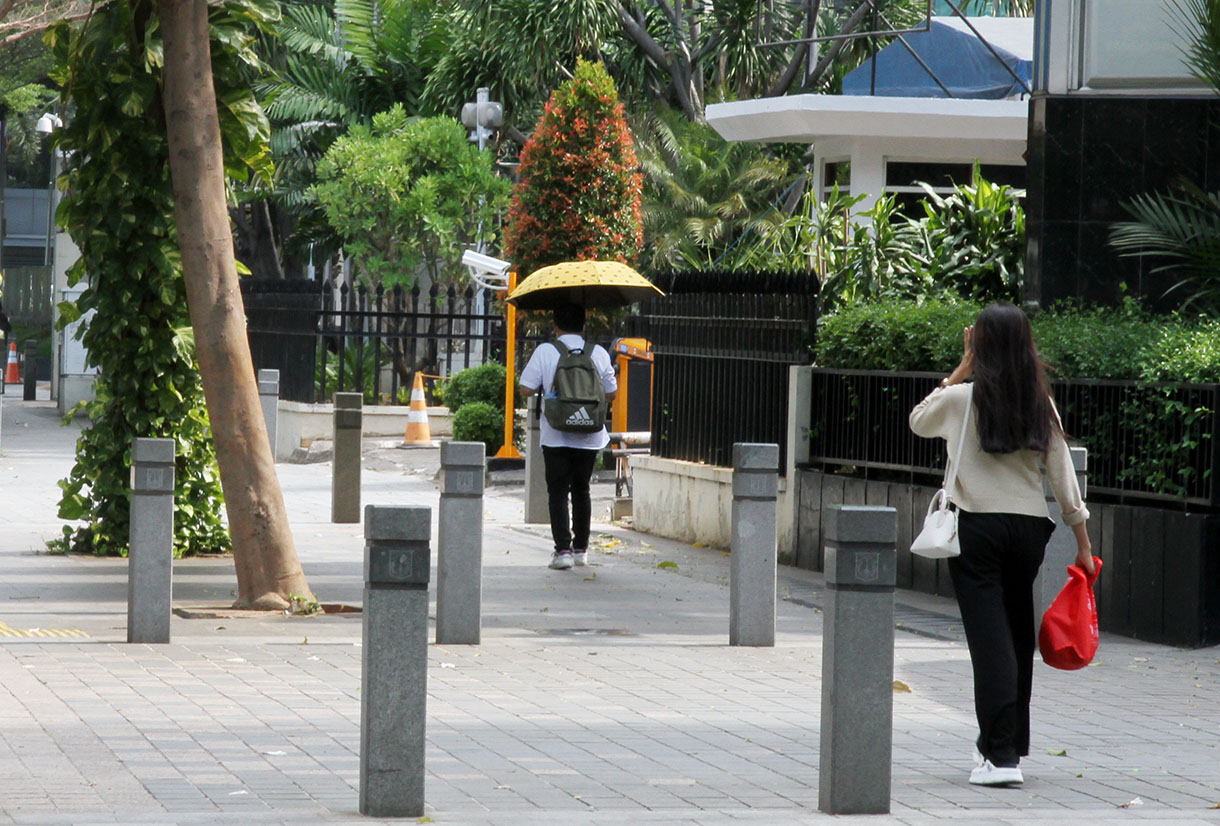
(579, 192)
(119, 211)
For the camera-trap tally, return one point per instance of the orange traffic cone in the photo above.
(418, 432)
(10, 374)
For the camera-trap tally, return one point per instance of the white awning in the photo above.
(811, 118)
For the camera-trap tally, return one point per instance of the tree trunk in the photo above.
(268, 570)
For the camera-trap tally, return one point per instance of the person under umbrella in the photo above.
(572, 428)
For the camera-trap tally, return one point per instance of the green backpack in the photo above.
(577, 401)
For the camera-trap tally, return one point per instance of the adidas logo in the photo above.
(580, 418)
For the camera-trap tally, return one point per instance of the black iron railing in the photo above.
(1146, 441)
(721, 359)
(436, 332)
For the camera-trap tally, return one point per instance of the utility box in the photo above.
(632, 408)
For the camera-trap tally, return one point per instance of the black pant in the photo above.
(993, 579)
(567, 472)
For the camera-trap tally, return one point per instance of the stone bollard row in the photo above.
(459, 552)
(753, 554)
(537, 511)
(858, 660)
(31, 386)
(394, 665)
(269, 398)
(345, 468)
(150, 550)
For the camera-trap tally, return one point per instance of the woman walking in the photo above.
(1003, 522)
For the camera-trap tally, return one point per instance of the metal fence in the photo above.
(373, 341)
(26, 294)
(721, 358)
(1147, 442)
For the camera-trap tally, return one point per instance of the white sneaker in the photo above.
(561, 560)
(989, 774)
(580, 558)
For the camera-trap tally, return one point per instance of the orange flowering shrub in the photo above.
(578, 197)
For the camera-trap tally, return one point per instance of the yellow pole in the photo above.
(508, 450)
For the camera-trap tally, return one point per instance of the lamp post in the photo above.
(46, 125)
(3, 180)
(483, 117)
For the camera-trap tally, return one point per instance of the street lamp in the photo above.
(482, 117)
(47, 124)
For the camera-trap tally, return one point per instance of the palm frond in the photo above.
(1197, 22)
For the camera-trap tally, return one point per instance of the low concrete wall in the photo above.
(692, 502)
(300, 424)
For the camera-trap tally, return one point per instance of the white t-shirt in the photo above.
(540, 372)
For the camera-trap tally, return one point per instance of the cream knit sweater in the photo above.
(998, 482)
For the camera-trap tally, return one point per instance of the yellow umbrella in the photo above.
(585, 283)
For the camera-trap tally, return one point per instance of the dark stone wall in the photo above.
(1161, 568)
(1086, 157)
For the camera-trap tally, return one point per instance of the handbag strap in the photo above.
(951, 470)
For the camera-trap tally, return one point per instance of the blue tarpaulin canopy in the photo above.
(961, 61)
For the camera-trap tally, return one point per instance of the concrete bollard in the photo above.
(752, 560)
(537, 511)
(30, 378)
(150, 550)
(345, 475)
(269, 398)
(857, 725)
(394, 667)
(459, 552)
(1061, 550)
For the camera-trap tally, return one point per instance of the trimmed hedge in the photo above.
(1076, 342)
(484, 383)
(479, 422)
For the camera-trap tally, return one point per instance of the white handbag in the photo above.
(938, 539)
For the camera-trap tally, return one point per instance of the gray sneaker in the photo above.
(561, 560)
(580, 558)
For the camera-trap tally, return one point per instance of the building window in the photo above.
(903, 179)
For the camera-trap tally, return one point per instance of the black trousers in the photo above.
(568, 470)
(993, 579)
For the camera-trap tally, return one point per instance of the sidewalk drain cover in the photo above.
(587, 632)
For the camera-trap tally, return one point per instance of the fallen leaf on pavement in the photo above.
(668, 565)
(901, 688)
(1057, 752)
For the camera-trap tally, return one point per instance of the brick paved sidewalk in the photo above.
(605, 695)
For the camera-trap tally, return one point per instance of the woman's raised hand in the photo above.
(967, 363)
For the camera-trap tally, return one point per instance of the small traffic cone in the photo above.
(11, 375)
(418, 433)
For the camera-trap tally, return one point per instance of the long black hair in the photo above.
(1010, 387)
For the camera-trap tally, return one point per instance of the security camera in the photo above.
(486, 271)
(47, 124)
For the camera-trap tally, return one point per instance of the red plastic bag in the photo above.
(1068, 637)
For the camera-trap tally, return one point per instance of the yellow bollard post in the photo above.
(508, 450)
